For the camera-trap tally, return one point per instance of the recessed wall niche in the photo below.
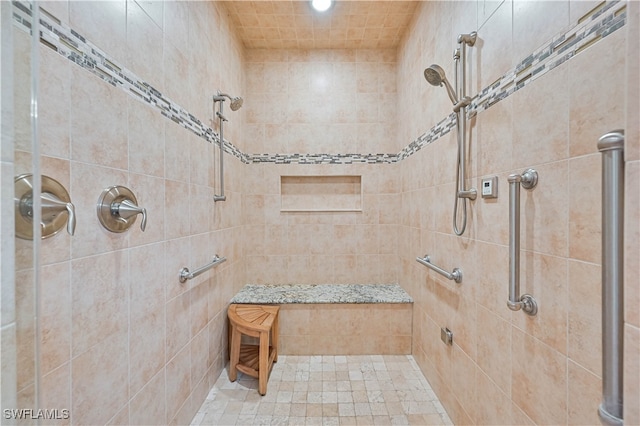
(341, 193)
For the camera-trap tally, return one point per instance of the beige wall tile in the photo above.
(492, 405)
(178, 324)
(24, 330)
(632, 123)
(146, 347)
(56, 317)
(146, 139)
(496, 52)
(99, 381)
(584, 395)
(146, 407)
(99, 299)
(54, 104)
(494, 353)
(199, 358)
(544, 211)
(632, 243)
(596, 109)
(543, 139)
(465, 369)
(104, 23)
(545, 278)
(298, 95)
(55, 392)
(535, 23)
(542, 396)
(585, 208)
(178, 382)
(98, 138)
(585, 327)
(631, 389)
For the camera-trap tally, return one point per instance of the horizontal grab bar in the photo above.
(456, 275)
(186, 275)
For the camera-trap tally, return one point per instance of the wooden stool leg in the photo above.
(235, 354)
(274, 338)
(263, 369)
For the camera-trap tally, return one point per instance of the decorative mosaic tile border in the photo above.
(589, 29)
(76, 48)
(324, 158)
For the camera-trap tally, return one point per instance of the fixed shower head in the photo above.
(235, 104)
(435, 76)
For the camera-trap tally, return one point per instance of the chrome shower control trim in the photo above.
(117, 209)
(54, 203)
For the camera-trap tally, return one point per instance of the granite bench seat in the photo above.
(321, 293)
(337, 319)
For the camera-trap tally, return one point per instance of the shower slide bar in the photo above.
(186, 275)
(611, 145)
(526, 302)
(236, 103)
(455, 275)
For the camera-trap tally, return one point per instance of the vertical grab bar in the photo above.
(611, 145)
(526, 302)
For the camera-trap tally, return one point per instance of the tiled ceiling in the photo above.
(295, 24)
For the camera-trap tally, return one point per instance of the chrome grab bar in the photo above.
(186, 275)
(456, 275)
(526, 302)
(611, 145)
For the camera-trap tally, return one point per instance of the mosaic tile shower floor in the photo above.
(327, 390)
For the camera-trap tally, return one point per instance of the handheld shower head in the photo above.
(435, 76)
(235, 104)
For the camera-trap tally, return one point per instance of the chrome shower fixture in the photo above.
(236, 102)
(436, 77)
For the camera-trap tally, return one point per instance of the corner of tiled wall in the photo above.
(119, 329)
(552, 124)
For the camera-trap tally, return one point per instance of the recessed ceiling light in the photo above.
(321, 5)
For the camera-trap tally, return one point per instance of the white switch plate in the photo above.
(490, 187)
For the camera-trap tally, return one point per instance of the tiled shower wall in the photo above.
(106, 295)
(123, 341)
(506, 367)
(321, 102)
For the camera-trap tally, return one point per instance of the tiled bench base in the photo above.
(339, 327)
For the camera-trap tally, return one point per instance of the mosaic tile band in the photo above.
(68, 43)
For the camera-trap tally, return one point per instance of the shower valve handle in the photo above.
(126, 209)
